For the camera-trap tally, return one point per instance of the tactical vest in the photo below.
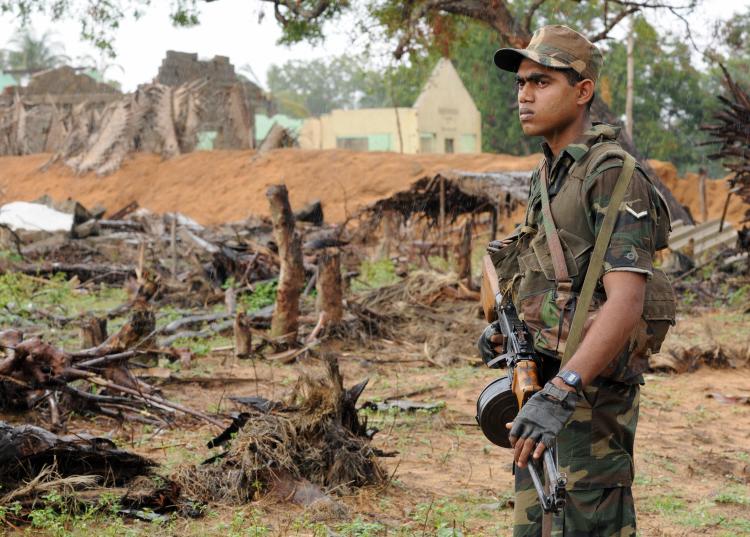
(525, 268)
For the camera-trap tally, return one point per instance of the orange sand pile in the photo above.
(222, 186)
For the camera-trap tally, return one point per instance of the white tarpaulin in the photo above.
(34, 217)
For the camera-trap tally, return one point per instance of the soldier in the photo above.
(591, 408)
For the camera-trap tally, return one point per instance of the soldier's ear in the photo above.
(585, 90)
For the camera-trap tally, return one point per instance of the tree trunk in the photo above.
(629, 87)
(329, 300)
(292, 273)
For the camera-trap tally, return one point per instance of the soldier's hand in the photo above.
(490, 342)
(539, 422)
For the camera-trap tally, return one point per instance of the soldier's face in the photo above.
(547, 103)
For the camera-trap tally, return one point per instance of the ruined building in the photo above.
(226, 96)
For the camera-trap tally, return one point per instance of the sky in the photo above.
(232, 28)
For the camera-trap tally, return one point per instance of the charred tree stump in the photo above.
(93, 332)
(242, 336)
(291, 272)
(464, 253)
(329, 301)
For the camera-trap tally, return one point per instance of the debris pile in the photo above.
(37, 375)
(28, 452)
(684, 359)
(315, 440)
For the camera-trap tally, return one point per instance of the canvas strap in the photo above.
(550, 230)
(596, 263)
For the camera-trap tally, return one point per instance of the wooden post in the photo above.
(93, 332)
(390, 229)
(493, 222)
(702, 172)
(442, 217)
(464, 253)
(242, 336)
(292, 273)
(329, 301)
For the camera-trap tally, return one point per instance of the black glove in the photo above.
(545, 414)
(485, 345)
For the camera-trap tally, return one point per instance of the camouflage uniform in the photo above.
(595, 449)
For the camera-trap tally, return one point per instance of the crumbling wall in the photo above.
(182, 67)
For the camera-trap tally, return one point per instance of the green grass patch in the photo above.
(374, 274)
(263, 294)
(665, 504)
(736, 495)
(21, 295)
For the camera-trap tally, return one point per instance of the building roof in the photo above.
(6, 81)
(443, 70)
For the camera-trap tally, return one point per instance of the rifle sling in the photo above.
(550, 230)
(596, 263)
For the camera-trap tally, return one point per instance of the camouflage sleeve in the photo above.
(631, 247)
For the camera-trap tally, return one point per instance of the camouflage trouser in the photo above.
(595, 450)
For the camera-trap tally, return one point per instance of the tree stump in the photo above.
(329, 301)
(93, 332)
(291, 273)
(242, 336)
(464, 253)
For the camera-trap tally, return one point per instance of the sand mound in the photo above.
(685, 189)
(221, 186)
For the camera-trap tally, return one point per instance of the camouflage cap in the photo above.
(555, 46)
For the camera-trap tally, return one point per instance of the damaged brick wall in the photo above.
(181, 67)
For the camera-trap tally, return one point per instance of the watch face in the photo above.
(571, 378)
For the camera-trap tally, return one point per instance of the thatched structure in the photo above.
(462, 192)
(448, 195)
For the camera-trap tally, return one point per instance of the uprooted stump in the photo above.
(313, 441)
(26, 450)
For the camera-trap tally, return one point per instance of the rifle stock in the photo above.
(489, 290)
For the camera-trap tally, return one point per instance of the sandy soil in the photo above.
(220, 186)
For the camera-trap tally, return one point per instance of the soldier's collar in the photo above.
(598, 132)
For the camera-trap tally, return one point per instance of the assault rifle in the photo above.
(523, 373)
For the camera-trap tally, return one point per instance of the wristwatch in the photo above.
(572, 379)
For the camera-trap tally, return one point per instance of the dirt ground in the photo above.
(237, 181)
(693, 452)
